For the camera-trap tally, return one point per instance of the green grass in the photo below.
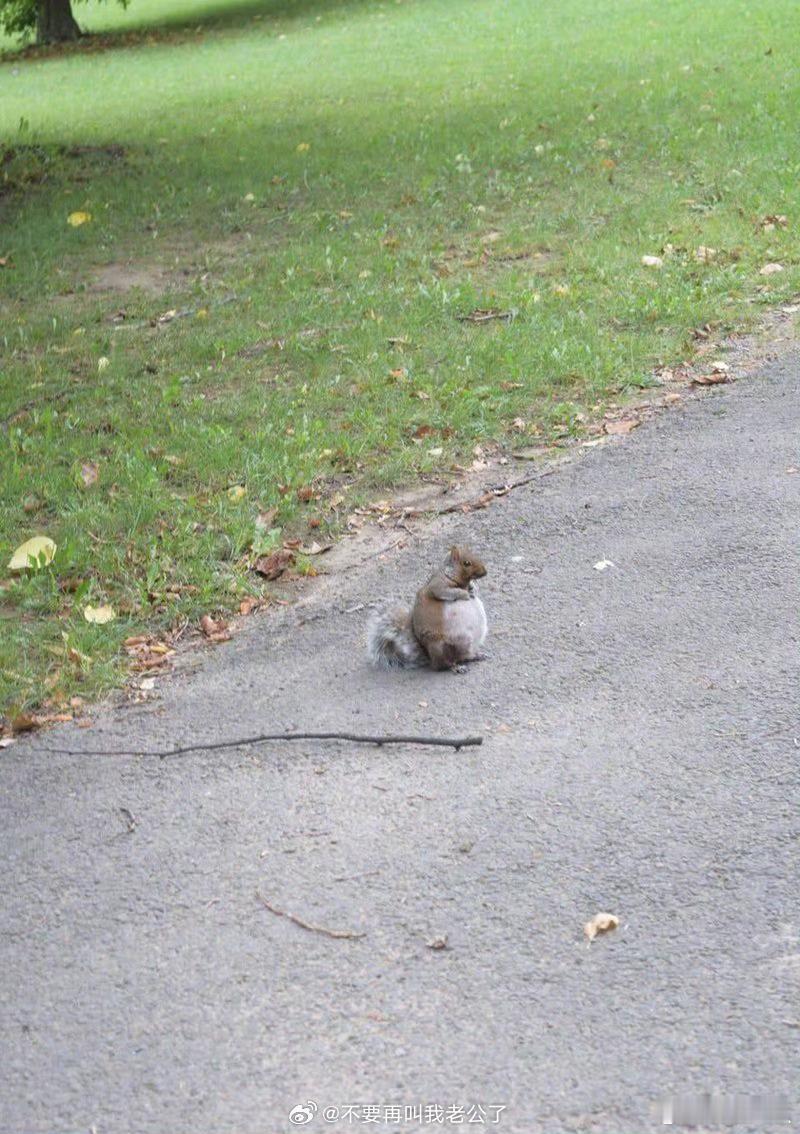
(408, 162)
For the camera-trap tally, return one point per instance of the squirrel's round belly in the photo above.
(465, 625)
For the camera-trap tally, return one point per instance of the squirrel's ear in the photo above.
(455, 553)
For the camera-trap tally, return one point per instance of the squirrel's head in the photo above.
(466, 562)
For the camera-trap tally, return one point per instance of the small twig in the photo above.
(437, 741)
(345, 933)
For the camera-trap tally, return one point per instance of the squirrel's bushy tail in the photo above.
(390, 640)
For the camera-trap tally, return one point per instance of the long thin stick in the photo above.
(457, 743)
(346, 933)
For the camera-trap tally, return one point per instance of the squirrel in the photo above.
(445, 627)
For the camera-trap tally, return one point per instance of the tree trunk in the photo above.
(55, 21)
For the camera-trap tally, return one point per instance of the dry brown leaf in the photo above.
(315, 548)
(713, 379)
(273, 566)
(249, 604)
(24, 722)
(423, 431)
(600, 923)
(772, 221)
(215, 629)
(626, 425)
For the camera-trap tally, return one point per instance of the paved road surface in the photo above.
(641, 757)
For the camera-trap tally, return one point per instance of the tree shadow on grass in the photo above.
(179, 26)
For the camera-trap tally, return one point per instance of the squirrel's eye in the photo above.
(467, 563)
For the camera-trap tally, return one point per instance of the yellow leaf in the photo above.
(99, 614)
(34, 553)
(304, 147)
(600, 923)
(77, 219)
(237, 492)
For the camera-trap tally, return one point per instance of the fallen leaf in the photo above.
(626, 425)
(315, 548)
(90, 470)
(32, 554)
(249, 197)
(600, 923)
(770, 269)
(772, 221)
(249, 604)
(603, 564)
(713, 379)
(216, 630)
(23, 722)
(237, 492)
(78, 218)
(99, 615)
(103, 363)
(704, 254)
(652, 261)
(720, 367)
(273, 566)
(423, 431)
(561, 289)
(305, 494)
(303, 147)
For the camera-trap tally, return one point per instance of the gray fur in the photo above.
(390, 640)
